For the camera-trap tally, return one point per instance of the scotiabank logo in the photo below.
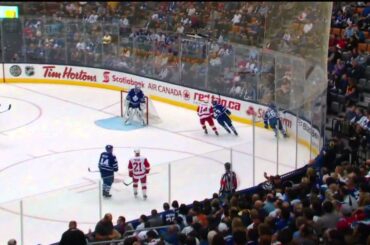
(106, 77)
(233, 105)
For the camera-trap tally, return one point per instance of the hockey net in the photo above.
(150, 113)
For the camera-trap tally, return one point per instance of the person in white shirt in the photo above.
(236, 19)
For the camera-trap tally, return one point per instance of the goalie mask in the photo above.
(137, 88)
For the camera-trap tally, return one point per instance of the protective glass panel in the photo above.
(192, 172)
(76, 43)
(143, 53)
(93, 34)
(221, 58)
(110, 40)
(194, 65)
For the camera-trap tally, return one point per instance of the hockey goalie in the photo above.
(135, 104)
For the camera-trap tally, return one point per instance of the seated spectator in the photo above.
(121, 226)
(73, 236)
(168, 216)
(328, 220)
(143, 222)
(349, 31)
(104, 229)
(351, 91)
(155, 219)
(357, 70)
(107, 39)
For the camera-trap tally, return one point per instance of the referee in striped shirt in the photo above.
(228, 183)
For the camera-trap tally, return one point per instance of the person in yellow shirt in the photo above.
(107, 39)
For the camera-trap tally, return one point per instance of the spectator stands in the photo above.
(326, 202)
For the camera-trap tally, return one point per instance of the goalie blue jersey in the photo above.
(135, 97)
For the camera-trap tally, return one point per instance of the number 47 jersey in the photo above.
(138, 167)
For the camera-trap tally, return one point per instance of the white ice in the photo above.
(49, 139)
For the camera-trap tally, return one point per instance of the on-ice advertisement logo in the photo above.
(29, 71)
(15, 70)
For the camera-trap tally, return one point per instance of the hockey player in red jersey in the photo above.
(205, 113)
(138, 168)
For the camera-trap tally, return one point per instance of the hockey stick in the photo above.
(9, 107)
(97, 171)
(127, 184)
(93, 171)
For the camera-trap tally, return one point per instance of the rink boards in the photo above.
(242, 111)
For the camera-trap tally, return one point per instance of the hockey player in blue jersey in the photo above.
(272, 118)
(107, 166)
(135, 102)
(221, 114)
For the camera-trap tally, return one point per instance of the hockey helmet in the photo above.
(137, 87)
(108, 147)
(272, 105)
(227, 165)
(137, 151)
(214, 102)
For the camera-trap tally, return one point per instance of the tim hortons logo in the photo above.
(68, 73)
(233, 105)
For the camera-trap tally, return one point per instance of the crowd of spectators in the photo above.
(328, 204)
(348, 75)
(178, 42)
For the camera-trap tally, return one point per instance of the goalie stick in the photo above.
(9, 107)
(97, 171)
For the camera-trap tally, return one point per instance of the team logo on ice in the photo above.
(29, 71)
(15, 70)
(186, 95)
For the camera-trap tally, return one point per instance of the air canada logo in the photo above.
(186, 94)
(15, 70)
(251, 111)
(29, 71)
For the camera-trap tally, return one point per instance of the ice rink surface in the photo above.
(51, 137)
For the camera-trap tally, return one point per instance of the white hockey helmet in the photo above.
(137, 151)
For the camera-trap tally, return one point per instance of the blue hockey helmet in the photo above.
(272, 105)
(108, 147)
(214, 102)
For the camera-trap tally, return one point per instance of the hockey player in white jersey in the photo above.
(138, 168)
(135, 104)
